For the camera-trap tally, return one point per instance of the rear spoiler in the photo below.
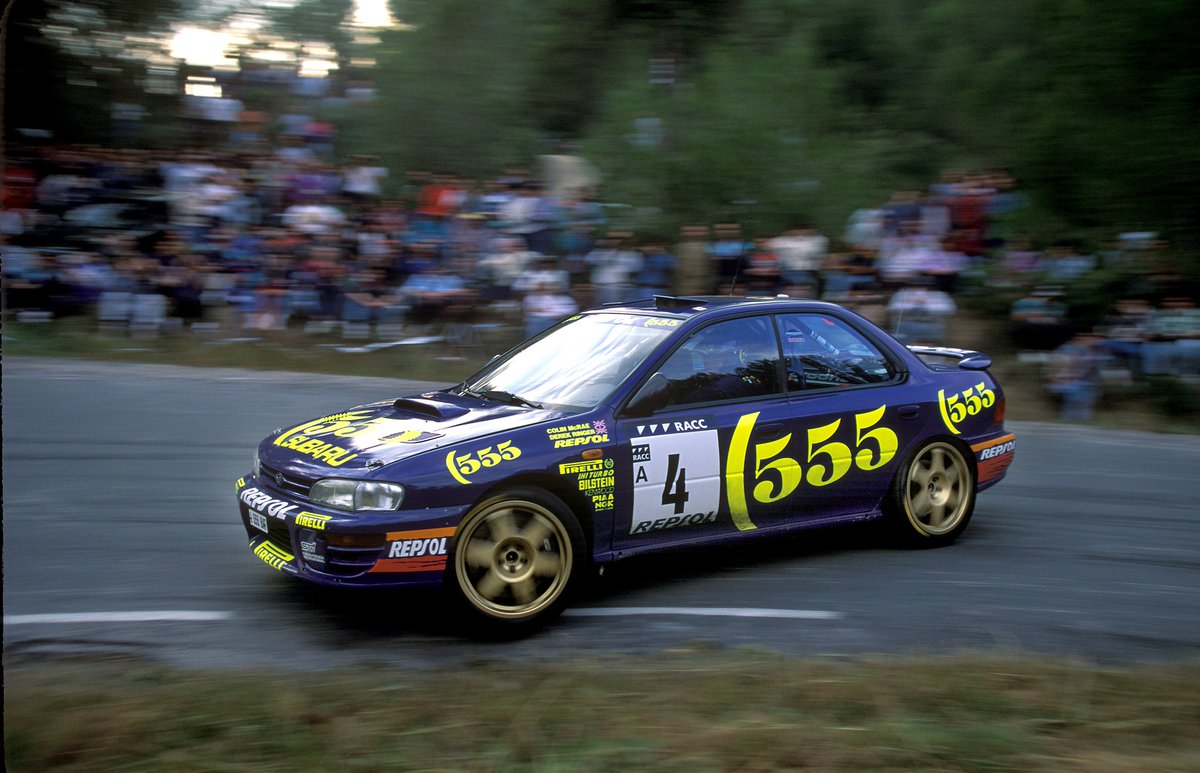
(967, 359)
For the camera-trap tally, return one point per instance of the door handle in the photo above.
(770, 431)
(909, 411)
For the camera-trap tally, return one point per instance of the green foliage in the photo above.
(810, 110)
(318, 20)
(66, 63)
(451, 95)
(1172, 397)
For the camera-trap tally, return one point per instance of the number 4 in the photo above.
(677, 480)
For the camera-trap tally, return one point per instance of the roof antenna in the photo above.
(737, 269)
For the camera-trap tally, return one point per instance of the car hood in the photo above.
(367, 438)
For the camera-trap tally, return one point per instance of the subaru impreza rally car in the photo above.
(625, 429)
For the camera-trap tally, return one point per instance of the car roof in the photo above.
(695, 305)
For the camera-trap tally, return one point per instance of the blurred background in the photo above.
(359, 185)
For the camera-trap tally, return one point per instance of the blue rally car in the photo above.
(658, 424)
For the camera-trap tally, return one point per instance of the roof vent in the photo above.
(672, 302)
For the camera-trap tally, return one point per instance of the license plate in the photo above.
(258, 521)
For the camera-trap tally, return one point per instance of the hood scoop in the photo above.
(430, 409)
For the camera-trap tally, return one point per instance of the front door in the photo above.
(679, 453)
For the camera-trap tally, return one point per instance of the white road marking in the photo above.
(776, 614)
(171, 616)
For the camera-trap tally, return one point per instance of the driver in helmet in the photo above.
(725, 371)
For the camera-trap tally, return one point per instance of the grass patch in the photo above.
(1160, 405)
(291, 350)
(686, 711)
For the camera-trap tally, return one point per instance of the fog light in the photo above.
(355, 540)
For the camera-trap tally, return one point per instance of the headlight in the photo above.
(357, 495)
(256, 465)
(371, 495)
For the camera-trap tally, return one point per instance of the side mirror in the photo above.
(652, 396)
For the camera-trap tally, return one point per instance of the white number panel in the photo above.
(676, 476)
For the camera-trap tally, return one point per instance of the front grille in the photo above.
(339, 561)
(277, 534)
(286, 482)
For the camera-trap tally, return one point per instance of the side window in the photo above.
(823, 352)
(725, 361)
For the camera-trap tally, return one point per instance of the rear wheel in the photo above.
(934, 495)
(515, 556)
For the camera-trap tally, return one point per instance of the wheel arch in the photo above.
(943, 437)
(894, 508)
(579, 505)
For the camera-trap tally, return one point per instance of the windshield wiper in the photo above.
(500, 396)
(465, 390)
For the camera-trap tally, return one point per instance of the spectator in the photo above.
(369, 299)
(762, 270)
(845, 273)
(543, 219)
(695, 275)
(546, 305)
(657, 276)
(1038, 321)
(30, 282)
(907, 255)
(502, 267)
(1017, 263)
(313, 218)
(865, 229)
(802, 252)
(917, 314)
(1174, 338)
(428, 293)
(541, 271)
(1063, 263)
(1126, 334)
(1075, 377)
(182, 282)
(613, 267)
(727, 250)
(363, 181)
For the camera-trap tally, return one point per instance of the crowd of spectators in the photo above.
(262, 238)
(286, 235)
(1149, 329)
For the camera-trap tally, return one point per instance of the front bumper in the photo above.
(330, 547)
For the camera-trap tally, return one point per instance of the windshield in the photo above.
(576, 365)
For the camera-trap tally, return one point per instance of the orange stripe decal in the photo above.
(394, 565)
(422, 534)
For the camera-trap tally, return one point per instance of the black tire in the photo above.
(934, 495)
(516, 556)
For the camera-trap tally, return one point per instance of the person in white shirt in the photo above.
(918, 313)
(545, 306)
(613, 269)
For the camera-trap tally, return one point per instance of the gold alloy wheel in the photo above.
(514, 558)
(938, 493)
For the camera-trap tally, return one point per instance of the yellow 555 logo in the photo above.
(956, 408)
(463, 466)
(777, 476)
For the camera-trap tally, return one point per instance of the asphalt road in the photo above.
(121, 535)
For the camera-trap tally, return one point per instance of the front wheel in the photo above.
(934, 495)
(514, 558)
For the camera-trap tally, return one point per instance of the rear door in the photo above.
(854, 414)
